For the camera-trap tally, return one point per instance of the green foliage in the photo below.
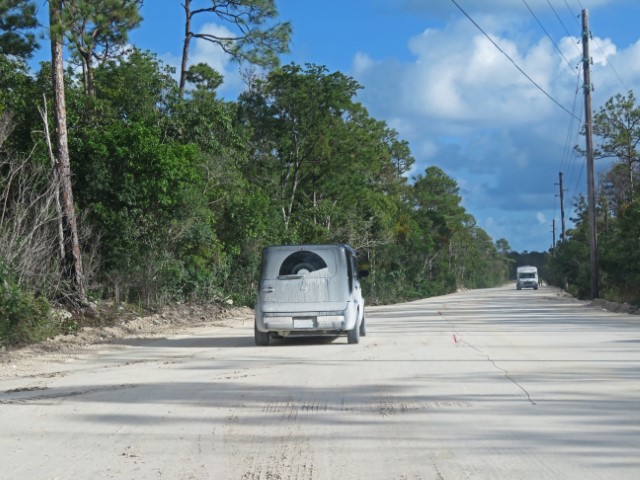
(620, 257)
(617, 124)
(17, 18)
(136, 89)
(18, 100)
(96, 31)
(142, 196)
(23, 316)
(203, 77)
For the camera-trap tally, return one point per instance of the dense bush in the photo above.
(23, 315)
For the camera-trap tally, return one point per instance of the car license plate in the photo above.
(303, 323)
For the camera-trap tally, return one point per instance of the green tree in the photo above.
(142, 194)
(160, 179)
(17, 94)
(620, 257)
(502, 245)
(17, 20)
(436, 196)
(98, 30)
(617, 124)
(139, 88)
(295, 110)
(570, 263)
(254, 36)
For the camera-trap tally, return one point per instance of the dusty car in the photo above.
(311, 290)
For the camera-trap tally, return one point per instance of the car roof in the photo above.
(311, 246)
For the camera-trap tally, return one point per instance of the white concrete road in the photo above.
(488, 384)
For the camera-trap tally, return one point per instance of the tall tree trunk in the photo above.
(185, 47)
(72, 260)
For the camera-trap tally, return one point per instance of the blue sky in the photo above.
(460, 103)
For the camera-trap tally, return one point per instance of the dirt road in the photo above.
(491, 384)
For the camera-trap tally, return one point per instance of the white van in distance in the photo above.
(527, 277)
(311, 290)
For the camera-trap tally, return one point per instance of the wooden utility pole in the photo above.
(72, 260)
(591, 188)
(563, 232)
(553, 237)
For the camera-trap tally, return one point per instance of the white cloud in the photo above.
(213, 55)
(459, 75)
(466, 108)
(362, 62)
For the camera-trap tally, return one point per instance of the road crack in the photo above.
(458, 340)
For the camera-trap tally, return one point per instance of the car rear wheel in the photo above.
(353, 335)
(262, 338)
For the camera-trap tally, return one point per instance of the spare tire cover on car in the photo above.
(302, 262)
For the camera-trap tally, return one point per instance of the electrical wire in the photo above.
(566, 165)
(510, 59)
(578, 180)
(546, 33)
(571, 12)
(560, 20)
(567, 148)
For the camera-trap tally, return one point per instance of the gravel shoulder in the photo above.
(175, 320)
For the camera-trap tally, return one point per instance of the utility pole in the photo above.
(553, 237)
(563, 232)
(591, 189)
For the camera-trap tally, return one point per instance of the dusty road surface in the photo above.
(490, 384)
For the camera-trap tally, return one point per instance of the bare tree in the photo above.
(27, 217)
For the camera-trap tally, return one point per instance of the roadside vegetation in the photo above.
(617, 129)
(140, 187)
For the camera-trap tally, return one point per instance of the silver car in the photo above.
(309, 290)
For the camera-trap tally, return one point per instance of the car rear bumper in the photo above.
(328, 322)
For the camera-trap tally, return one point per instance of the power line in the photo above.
(572, 13)
(575, 189)
(567, 148)
(511, 60)
(546, 32)
(567, 152)
(560, 20)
